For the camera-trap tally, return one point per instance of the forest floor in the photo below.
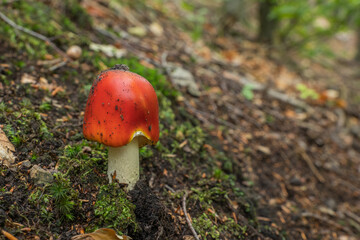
(243, 149)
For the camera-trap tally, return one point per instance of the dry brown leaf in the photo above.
(341, 103)
(285, 79)
(204, 52)
(108, 50)
(6, 150)
(95, 9)
(156, 29)
(232, 56)
(147, 64)
(27, 78)
(44, 84)
(263, 149)
(214, 90)
(26, 229)
(101, 234)
(56, 90)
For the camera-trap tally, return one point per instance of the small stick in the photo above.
(204, 116)
(353, 216)
(311, 165)
(325, 220)
(186, 216)
(169, 188)
(59, 65)
(32, 33)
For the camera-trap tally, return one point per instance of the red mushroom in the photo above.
(122, 112)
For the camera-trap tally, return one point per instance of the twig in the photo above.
(49, 62)
(270, 92)
(324, 219)
(186, 216)
(161, 231)
(239, 113)
(21, 215)
(169, 188)
(311, 165)
(204, 116)
(8, 235)
(32, 33)
(59, 65)
(244, 220)
(353, 216)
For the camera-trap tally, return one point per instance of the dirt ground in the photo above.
(254, 159)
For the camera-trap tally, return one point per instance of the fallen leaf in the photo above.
(156, 29)
(56, 90)
(138, 31)
(26, 229)
(214, 90)
(188, 237)
(232, 56)
(6, 150)
(147, 64)
(340, 103)
(27, 78)
(4, 65)
(263, 149)
(108, 50)
(101, 234)
(95, 9)
(204, 52)
(44, 84)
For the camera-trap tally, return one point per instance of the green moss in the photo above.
(76, 13)
(64, 197)
(146, 152)
(194, 134)
(166, 114)
(86, 159)
(234, 229)
(113, 209)
(31, 15)
(56, 201)
(14, 136)
(20, 124)
(206, 197)
(43, 19)
(45, 107)
(205, 227)
(3, 108)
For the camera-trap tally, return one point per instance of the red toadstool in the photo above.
(122, 112)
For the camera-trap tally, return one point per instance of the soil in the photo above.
(298, 167)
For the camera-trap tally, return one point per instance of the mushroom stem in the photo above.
(125, 162)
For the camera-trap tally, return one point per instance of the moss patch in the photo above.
(114, 210)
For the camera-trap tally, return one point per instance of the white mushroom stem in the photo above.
(125, 162)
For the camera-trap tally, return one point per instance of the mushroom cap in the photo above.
(121, 105)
